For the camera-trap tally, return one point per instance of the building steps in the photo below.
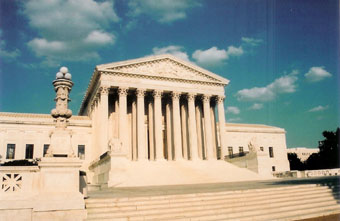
(275, 203)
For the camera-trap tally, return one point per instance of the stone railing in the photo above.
(19, 179)
(42, 192)
(256, 161)
(308, 173)
(101, 169)
(325, 172)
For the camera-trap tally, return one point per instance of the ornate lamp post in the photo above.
(61, 136)
(62, 86)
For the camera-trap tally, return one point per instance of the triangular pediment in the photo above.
(163, 66)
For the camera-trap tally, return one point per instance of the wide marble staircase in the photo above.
(291, 202)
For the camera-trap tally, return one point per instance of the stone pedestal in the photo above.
(59, 189)
(118, 170)
(61, 143)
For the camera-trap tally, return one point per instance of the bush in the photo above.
(20, 163)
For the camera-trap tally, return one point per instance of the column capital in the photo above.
(92, 106)
(220, 99)
(122, 91)
(140, 92)
(157, 93)
(104, 90)
(206, 97)
(175, 95)
(96, 98)
(191, 96)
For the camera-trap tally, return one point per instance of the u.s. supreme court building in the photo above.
(156, 120)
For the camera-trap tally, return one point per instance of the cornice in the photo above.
(34, 115)
(40, 119)
(93, 81)
(253, 128)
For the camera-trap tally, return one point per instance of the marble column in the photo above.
(213, 129)
(221, 121)
(157, 94)
(207, 126)
(96, 126)
(168, 130)
(123, 133)
(140, 124)
(151, 129)
(116, 125)
(104, 113)
(176, 125)
(192, 127)
(199, 129)
(184, 115)
(134, 129)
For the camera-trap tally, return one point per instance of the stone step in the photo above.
(231, 197)
(227, 208)
(234, 202)
(233, 194)
(104, 195)
(315, 213)
(283, 213)
(283, 216)
(263, 212)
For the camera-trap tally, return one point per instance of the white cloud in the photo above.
(255, 94)
(236, 119)
(251, 41)
(174, 50)
(215, 56)
(6, 54)
(163, 11)
(100, 38)
(233, 51)
(70, 30)
(256, 106)
(318, 108)
(42, 46)
(210, 56)
(282, 85)
(285, 84)
(9, 55)
(316, 74)
(233, 110)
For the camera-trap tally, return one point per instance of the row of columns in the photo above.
(155, 124)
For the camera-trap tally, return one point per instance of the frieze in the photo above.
(164, 68)
(191, 81)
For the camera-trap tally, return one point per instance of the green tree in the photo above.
(328, 156)
(295, 162)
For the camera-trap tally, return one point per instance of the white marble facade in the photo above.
(152, 109)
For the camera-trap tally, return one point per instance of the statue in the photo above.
(253, 146)
(115, 145)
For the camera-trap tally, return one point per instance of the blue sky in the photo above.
(281, 57)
